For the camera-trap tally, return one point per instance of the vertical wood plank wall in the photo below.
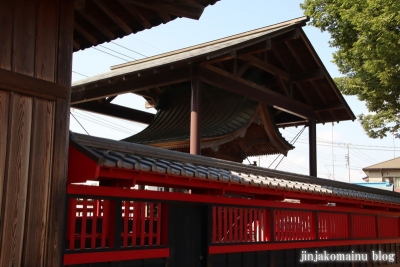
(36, 52)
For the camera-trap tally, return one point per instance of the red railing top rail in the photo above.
(100, 191)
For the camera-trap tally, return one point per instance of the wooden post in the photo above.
(35, 80)
(312, 135)
(195, 125)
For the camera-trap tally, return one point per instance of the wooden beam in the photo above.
(28, 85)
(227, 81)
(113, 16)
(266, 66)
(85, 34)
(242, 69)
(308, 75)
(116, 111)
(323, 99)
(192, 10)
(295, 55)
(132, 9)
(99, 26)
(309, 101)
(331, 107)
(130, 85)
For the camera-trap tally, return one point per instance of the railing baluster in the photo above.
(83, 225)
(151, 218)
(94, 224)
(158, 224)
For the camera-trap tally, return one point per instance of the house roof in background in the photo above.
(389, 164)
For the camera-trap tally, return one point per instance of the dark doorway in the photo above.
(188, 235)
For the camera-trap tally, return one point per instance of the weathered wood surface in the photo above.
(16, 180)
(4, 107)
(38, 198)
(35, 74)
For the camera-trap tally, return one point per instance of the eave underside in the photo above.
(100, 21)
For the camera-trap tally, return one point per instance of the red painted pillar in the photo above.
(195, 128)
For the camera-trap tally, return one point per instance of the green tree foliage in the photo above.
(366, 34)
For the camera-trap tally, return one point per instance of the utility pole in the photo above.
(347, 157)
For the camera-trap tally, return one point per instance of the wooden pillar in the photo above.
(312, 140)
(35, 82)
(195, 124)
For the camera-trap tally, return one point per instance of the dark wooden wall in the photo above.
(35, 80)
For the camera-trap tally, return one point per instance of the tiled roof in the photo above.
(224, 116)
(125, 155)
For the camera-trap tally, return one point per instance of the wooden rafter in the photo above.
(99, 26)
(190, 9)
(283, 86)
(85, 34)
(227, 81)
(132, 9)
(278, 56)
(295, 55)
(261, 64)
(308, 75)
(165, 17)
(323, 99)
(309, 101)
(319, 63)
(113, 16)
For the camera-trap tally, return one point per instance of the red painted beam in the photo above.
(294, 245)
(94, 257)
(157, 195)
(156, 179)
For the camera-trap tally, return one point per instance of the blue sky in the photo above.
(226, 18)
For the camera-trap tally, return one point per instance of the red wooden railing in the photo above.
(239, 225)
(364, 226)
(333, 225)
(243, 225)
(92, 224)
(293, 225)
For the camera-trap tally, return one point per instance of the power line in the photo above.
(104, 121)
(129, 49)
(110, 54)
(80, 74)
(118, 52)
(147, 44)
(79, 123)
